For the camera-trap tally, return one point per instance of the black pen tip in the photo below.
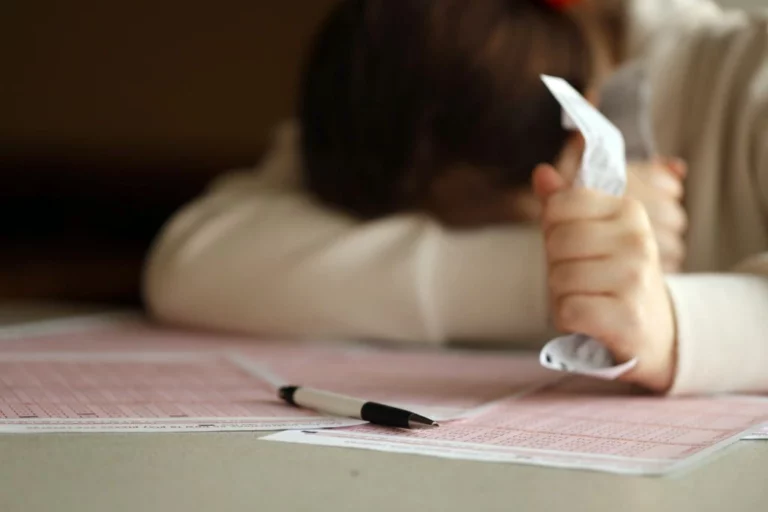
(418, 421)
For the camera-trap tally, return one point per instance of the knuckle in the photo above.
(573, 314)
(635, 276)
(561, 279)
(567, 241)
(555, 211)
(633, 317)
(674, 218)
(632, 208)
(678, 190)
(568, 206)
(558, 240)
(639, 242)
(552, 242)
(674, 188)
(549, 214)
(670, 245)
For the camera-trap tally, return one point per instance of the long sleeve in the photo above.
(257, 256)
(653, 25)
(712, 109)
(722, 325)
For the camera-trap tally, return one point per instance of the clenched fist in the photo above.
(606, 278)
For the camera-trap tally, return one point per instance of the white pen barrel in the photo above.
(331, 403)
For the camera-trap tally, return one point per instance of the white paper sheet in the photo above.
(604, 168)
(578, 424)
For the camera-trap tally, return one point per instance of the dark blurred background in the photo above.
(114, 115)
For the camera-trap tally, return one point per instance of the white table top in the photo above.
(222, 472)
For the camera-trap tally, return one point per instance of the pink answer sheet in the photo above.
(572, 424)
(131, 376)
(132, 392)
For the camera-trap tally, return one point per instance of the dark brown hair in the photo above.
(397, 91)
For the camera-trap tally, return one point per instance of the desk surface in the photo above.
(222, 472)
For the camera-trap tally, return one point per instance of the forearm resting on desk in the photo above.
(278, 264)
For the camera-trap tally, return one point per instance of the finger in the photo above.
(676, 166)
(672, 250)
(602, 317)
(631, 236)
(547, 181)
(580, 205)
(582, 240)
(661, 179)
(670, 246)
(609, 276)
(666, 214)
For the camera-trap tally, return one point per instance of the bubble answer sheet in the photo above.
(576, 423)
(130, 376)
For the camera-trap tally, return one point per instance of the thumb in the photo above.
(547, 181)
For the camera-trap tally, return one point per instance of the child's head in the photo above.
(437, 105)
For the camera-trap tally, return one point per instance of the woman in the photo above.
(259, 254)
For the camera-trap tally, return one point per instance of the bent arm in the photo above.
(269, 262)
